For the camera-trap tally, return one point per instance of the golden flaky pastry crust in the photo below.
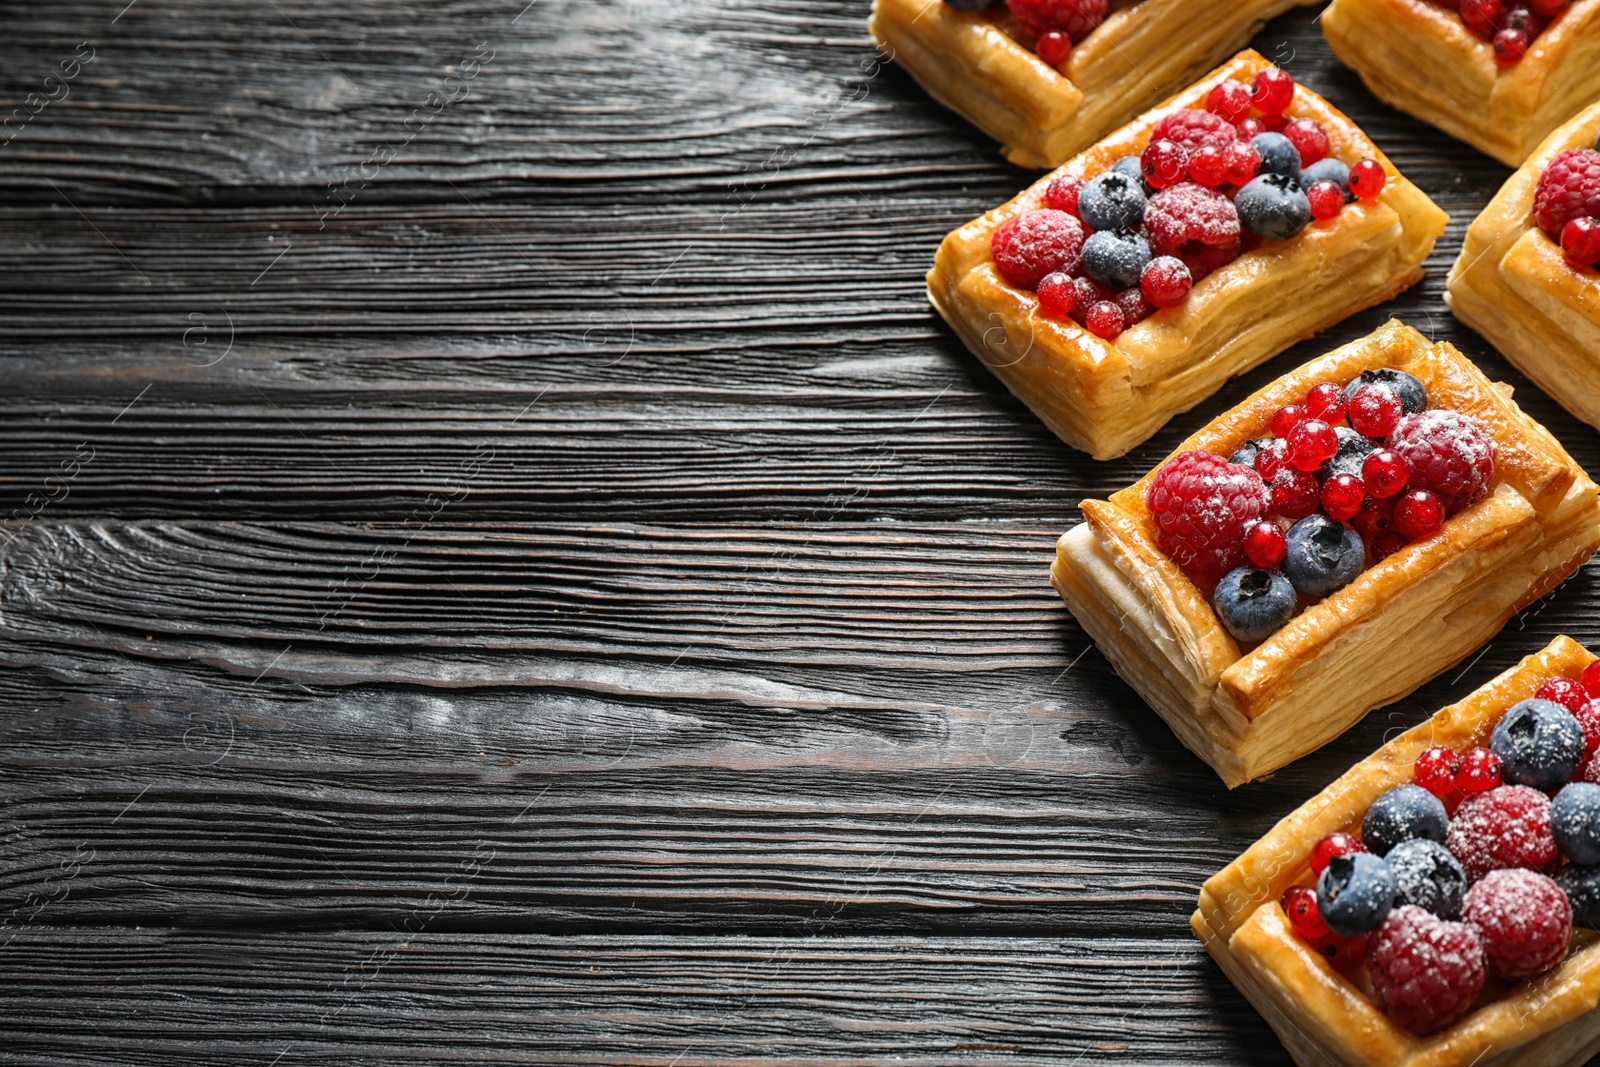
(1107, 396)
(1325, 1018)
(981, 64)
(1248, 712)
(1512, 285)
(1418, 56)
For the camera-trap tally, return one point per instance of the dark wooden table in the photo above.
(508, 567)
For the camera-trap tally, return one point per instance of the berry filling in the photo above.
(1566, 205)
(1208, 180)
(1296, 516)
(1509, 27)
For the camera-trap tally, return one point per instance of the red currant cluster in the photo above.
(1510, 27)
(1566, 204)
(1056, 24)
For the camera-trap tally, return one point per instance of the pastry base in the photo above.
(1417, 56)
(1105, 397)
(1247, 712)
(1512, 285)
(1325, 1018)
(1042, 116)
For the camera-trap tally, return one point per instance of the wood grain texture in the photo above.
(560, 595)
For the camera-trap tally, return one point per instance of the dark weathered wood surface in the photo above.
(574, 602)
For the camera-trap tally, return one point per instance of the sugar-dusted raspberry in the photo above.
(1426, 971)
(1036, 243)
(1564, 691)
(1310, 138)
(1194, 224)
(1166, 281)
(1191, 129)
(1105, 319)
(1505, 827)
(1075, 18)
(1524, 919)
(1588, 718)
(1229, 99)
(1062, 193)
(1054, 47)
(1273, 89)
(1451, 454)
(1201, 506)
(1580, 242)
(1568, 189)
(1589, 769)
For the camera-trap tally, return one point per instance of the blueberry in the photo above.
(1273, 206)
(1575, 821)
(1413, 397)
(1253, 603)
(1132, 167)
(1582, 887)
(1327, 170)
(1115, 258)
(1324, 555)
(1353, 452)
(1355, 893)
(1112, 201)
(1539, 744)
(1247, 454)
(1597, 142)
(1404, 813)
(1278, 154)
(1428, 876)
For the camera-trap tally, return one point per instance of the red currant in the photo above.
(1331, 848)
(1310, 138)
(1418, 514)
(1105, 319)
(1385, 473)
(1569, 694)
(1326, 199)
(1374, 410)
(1053, 47)
(1249, 129)
(1062, 193)
(1057, 295)
(1242, 162)
(1480, 772)
(1367, 179)
(1230, 99)
(1272, 91)
(1266, 545)
(1164, 163)
(1208, 166)
(1311, 444)
(1342, 496)
(1590, 678)
(1287, 418)
(1481, 16)
(1375, 517)
(1345, 954)
(1548, 9)
(1166, 281)
(1271, 458)
(1580, 241)
(1295, 493)
(1387, 544)
(1510, 46)
(1436, 770)
(1300, 904)
(1326, 402)
(1274, 123)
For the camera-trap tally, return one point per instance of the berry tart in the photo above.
(1438, 904)
(1194, 243)
(1498, 74)
(1047, 78)
(1327, 546)
(1528, 277)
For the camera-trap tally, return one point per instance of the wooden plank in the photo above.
(418, 996)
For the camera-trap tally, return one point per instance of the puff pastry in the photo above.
(1323, 1017)
(1107, 396)
(1247, 712)
(1419, 57)
(1512, 284)
(973, 63)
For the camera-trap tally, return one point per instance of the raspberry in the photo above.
(1588, 718)
(1436, 770)
(1295, 493)
(1057, 295)
(1418, 514)
(1190, 129)
(1208, 166)
(1334, 845)
(1480, 772)
(1580, 241)
(1342, 496)
(1201, 506)
(1053, 47)
(1426, 971)
(1166, 281)
(1568, 189)
(1506, 827)
(1075, 18)
(1451, 454)
(1062, 193)
(1564, 691)
(1590, 678)
(1265, 545)
(1230, 100)
(1589, 769)
(1194, 224)
(1524, 919)
(1383, 473)
(1326, 200)
(1272, 90)
(1367, 179)
(1105, 319)
(1242, 162)
(1326, 402)
(1310, 138)
(1375, 410)
(1164, 163)
(1036, 243)
(1300, 904)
